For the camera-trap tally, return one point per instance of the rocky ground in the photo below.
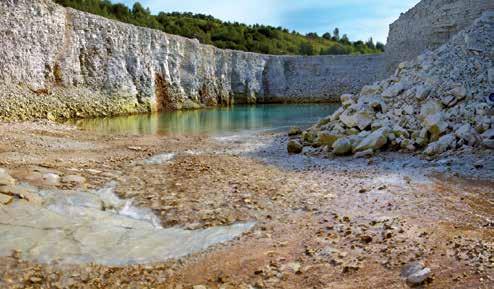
(392, 221)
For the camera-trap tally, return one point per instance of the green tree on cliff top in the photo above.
(227, 35)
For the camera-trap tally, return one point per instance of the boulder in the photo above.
(488, 139)
(436, 125)
(347, 99)
(294, 131)
(422, 92)
(336, 115)
(429, 108)
(374, 141)
(468, 134)
(370, 90)
(326, 138)
(342, 146)
(395, 89)
(443, 144)
(360, 119)
(308, 136)
(294, 147)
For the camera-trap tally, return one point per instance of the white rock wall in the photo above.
(50, 50)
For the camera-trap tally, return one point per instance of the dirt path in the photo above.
(320, 223)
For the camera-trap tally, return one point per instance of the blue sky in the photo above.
(360, 19)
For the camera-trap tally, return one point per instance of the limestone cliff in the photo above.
(60, 62)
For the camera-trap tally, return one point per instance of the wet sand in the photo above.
(320, 222)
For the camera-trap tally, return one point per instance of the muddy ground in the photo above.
(320, 222)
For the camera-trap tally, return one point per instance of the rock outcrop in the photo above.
(440, 101)
(63, 63)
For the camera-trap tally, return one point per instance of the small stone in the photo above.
(35, 280)
(51, 179)
(459, 92)
(4, 199)
(415, 273)
(74, 179)
(294, 147)
(366, 239)
(5, 178)
(419, 277)
(364, 154)
(490, 75)
(199, 287)
(135, 148)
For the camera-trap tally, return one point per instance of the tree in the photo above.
(336, 34)
(344, 39)
(306, 48)
(312, 35)
(370, 43)
(230, 35)
(327, 36)
(380, 46)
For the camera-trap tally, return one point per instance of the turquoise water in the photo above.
(216, 121)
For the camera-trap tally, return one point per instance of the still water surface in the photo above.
(215, 121)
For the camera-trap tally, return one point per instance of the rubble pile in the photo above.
(441, 101)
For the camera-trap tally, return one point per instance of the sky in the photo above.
(359, 19)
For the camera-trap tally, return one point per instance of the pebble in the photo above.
(4, 199)
(74, 179)
(51, 179)
(5, 178)
(415, 273)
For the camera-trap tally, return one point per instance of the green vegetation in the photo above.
(209, 30)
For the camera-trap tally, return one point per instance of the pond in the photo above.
(214, 121)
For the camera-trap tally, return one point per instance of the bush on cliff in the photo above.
(209, 30)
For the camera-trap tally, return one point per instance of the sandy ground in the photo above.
(320, 222)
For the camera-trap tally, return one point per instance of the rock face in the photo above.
(428, 25)
(436, 103)
(61, 63)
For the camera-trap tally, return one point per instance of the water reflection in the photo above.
(213, 121)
